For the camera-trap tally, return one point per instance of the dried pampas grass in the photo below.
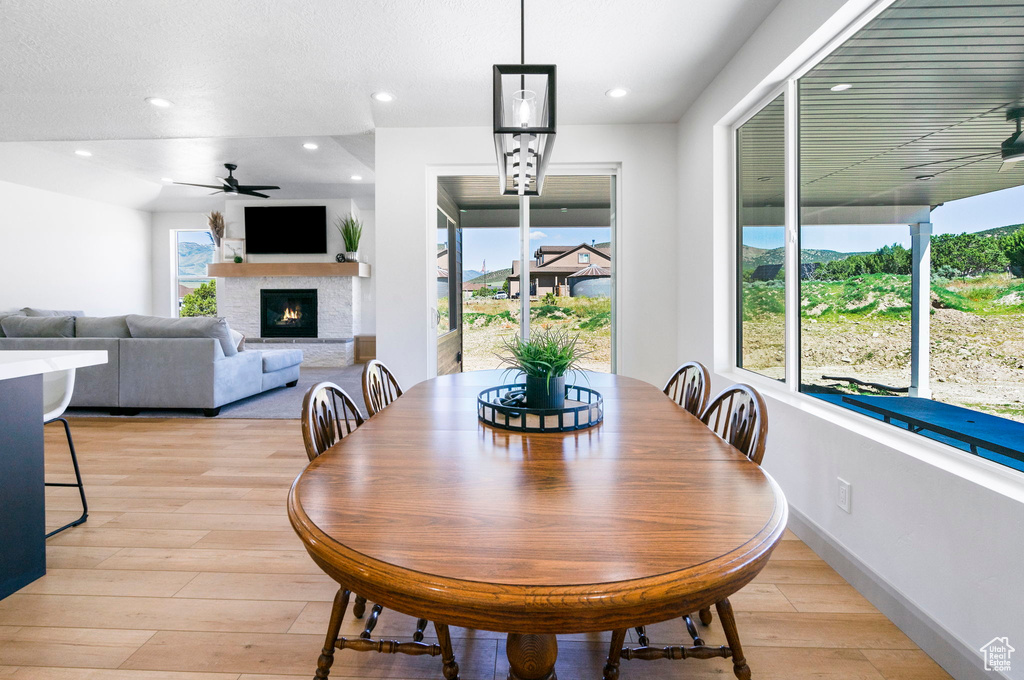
(216, 222)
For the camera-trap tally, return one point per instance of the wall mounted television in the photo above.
(286, 229)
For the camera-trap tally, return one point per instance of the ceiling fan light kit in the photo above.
(230, 185)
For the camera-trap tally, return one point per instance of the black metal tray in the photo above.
(584, 408)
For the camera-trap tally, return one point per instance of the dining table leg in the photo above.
(531, 657)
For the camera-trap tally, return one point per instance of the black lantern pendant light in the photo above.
(524, 121)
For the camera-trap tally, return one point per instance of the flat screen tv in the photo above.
(286, 229)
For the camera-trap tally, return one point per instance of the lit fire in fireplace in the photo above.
(291, 316)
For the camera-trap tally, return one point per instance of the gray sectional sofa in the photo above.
(154, 362)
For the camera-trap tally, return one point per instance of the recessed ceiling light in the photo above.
(83, 153)
(565, 210)
(841, 87)
(310, 146)
(617, 92)
(462, 210)
(166, 179)
(160, 102)
(925, 177)
(356, 178)
(384, 96)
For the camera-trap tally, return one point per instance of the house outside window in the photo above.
(892, 260)
(583, 258)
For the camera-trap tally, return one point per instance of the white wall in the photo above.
(405, 230)
(938, 529)
(368, 253)
(65, 252)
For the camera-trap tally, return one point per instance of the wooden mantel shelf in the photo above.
(360, 269)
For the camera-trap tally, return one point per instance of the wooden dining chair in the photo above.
(739, 416)
(690, 387)
(329, 415)
(380, 387)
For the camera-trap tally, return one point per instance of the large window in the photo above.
(760, 179)
(193, 250)
(907, 248)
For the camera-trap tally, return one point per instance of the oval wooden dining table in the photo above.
(642, 518)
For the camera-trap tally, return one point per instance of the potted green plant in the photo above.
(351, 231)
(545, 359)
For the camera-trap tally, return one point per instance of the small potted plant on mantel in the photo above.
(351, 230)
(545, 359)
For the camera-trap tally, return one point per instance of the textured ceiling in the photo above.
(931, 84)
(80, 69)
(322, 173)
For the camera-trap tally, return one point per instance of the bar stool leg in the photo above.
(78, 481)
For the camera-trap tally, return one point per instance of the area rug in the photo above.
(282, 403)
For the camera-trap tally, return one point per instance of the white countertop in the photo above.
(17, 363)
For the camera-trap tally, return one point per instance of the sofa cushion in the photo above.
(278, 359)
(39, 327)
(101, 327)
(189, 327)
(238, 339)
(32, 311)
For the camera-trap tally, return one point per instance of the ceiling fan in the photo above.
(230, 185)
(1011, 150)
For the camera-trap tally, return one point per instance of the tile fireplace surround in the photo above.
(338, 302)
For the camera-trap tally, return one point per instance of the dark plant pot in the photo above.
(542, 394)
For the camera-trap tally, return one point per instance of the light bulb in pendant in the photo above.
(523, 104)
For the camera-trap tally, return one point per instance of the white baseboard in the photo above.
(949, 651)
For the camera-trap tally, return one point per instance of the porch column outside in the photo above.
(524, 267)
(921, 252)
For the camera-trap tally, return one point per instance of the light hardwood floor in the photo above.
(188, 570)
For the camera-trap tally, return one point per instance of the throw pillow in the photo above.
(101, 327)
(238, 339)
(4, 315)
(190, 327)
(39, 327)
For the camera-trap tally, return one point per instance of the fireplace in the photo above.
(289, 313)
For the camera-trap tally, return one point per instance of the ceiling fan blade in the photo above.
(1006, 167)
(204, 186)
(256, 187)
(252, 193)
